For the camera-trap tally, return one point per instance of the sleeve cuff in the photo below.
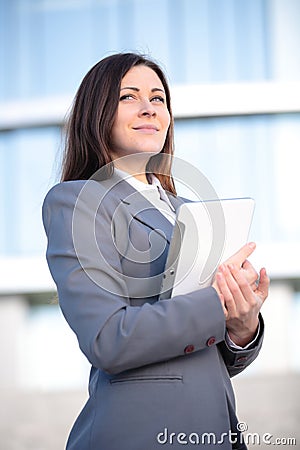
(234, 346)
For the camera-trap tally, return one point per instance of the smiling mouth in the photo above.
(150, 128)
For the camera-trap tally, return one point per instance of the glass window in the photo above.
(252, 156)
(28, 170)
(47, 46)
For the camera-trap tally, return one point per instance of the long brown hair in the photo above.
(88, 129)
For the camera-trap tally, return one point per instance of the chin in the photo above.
(151, 149)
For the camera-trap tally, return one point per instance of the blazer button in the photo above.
(242, 359)
(189, 349)
(210, 341)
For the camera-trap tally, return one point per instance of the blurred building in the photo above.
(234, 70)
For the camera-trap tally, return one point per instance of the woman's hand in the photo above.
(240, 302)
(240, 260)
(241, 294)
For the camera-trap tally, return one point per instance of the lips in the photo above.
(146, 127)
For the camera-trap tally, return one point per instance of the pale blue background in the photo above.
(47, 46)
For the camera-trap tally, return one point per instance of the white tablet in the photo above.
(205, 234)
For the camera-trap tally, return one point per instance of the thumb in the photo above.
(263, 285)
(241, 255)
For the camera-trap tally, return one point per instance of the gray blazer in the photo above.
(160, 369)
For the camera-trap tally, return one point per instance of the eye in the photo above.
(158, 99)
(126, 97)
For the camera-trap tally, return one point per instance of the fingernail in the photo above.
(252, 244)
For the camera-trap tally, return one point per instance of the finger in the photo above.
(242, 282)
(240, 256)
(229, 302)
(263, 285)
(247, 266)
(235, 280)
(223, 305)
(249, 272)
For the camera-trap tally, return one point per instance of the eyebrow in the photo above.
(137, 89)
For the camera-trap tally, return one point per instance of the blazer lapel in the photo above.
(145, 212)
(139, 207)
(176, 201)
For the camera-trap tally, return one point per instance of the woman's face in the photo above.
(142, 118)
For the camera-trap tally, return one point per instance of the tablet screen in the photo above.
(206, 233)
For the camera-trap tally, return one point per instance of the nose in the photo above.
(147, 109)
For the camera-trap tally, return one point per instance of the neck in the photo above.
(141, 177)
(135, 165)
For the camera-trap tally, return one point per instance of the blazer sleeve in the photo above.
(114, 335)
(237, 360)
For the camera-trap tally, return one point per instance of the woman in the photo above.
(161, 369)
